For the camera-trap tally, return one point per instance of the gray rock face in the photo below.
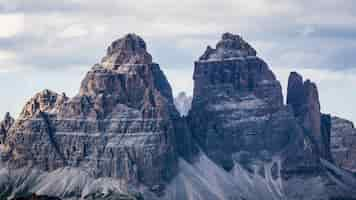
(343, 143)
(304, 99)
(5, 125)
(119, 125)
(183, 103)
(128, 50)
(295, 94)
(230, 46)
(239, 120)
(238, 105)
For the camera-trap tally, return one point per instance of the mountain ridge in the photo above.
(122, 133)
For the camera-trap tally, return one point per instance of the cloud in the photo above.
(6, 55)
(12, 24)
(73, 31)
(302, 33)
(299, 33)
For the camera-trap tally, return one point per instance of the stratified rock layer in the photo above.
(119, 125)
(343, 143)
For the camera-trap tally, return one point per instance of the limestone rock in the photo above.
(343, 143)
(130, 49)
(239, 121)
(237, 104)
(303, 97)
(120, 125)
(326, 124)
(295, 94)
(5, 125)
(44, 101)
(230, 46)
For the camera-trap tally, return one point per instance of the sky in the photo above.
(52, 44)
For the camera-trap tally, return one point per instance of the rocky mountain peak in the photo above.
(127, 76)
(121, 124)
(295, 92)
(130, 49)
(44, 101)
(230, 46)
(302, 96)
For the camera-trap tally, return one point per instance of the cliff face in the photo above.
(122, 134)
(240, 122)
(237, 106)
(119, 125)
(343, 143)
(303, 97)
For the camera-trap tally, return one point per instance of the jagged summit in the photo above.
(230, 46)
(130, 49)
(44, 101)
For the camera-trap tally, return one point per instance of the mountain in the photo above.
(122, 137)
(120, 124)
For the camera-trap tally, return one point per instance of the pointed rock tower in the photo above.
(304, 99)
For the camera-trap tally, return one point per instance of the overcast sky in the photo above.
(52, 43)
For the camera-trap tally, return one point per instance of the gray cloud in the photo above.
(317, 34)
